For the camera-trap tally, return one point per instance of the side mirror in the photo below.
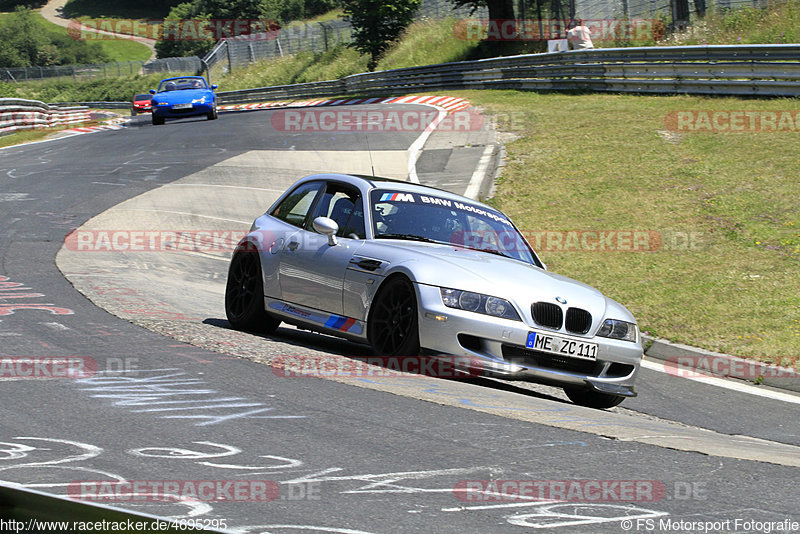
(152, 91)
(328, 227)
(214, 86)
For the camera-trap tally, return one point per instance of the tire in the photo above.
(244, 293)
(157, 121)
(133, 112)
(212, 115)
(593, 399)
(393, 326)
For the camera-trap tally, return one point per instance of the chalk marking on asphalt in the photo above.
(474, 187)
(728, 384)
(260, 528)
(507, 505)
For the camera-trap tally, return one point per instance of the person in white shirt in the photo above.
(580, 36)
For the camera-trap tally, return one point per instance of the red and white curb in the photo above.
(448, 104)
(88, 129)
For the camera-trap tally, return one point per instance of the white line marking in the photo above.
(475, 182)
(728, 384)
(415, 149)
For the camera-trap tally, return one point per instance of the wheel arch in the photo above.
(399, 272)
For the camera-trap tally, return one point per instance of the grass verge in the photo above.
(724, 205)
(115, 49)
(30, 136)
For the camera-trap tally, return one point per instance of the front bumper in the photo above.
(171, 113)
(499, 344)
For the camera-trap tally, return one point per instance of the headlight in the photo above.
(478, 303)
(161, 103)
(614, 329)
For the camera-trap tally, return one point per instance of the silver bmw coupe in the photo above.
(411, 269)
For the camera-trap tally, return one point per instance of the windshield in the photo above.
(178, 84)
(428, 218)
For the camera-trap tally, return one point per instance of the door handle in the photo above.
(293, 245)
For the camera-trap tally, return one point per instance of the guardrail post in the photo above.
(324, 34)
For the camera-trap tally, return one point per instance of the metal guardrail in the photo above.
(761, 70)
(93, 71)
(19, 114)
(94, 105)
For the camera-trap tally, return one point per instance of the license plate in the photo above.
(182, 106)
(562, 346)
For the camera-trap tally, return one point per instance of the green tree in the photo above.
(178, 46)
(11, 5)
(498, 9)
(376, 23)
(215, 10)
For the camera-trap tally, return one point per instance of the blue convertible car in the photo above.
(183, 96)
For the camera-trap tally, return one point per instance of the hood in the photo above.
(481, 272)
(183, 96)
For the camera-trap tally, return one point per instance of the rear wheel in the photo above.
(244, 293)
(157, 121)
(393, 327)
(592, 399)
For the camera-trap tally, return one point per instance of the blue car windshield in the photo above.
(430, 218)
(178, 84)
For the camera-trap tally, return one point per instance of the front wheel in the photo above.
(212, 115)
(157, 121)
(244, 293)
(393, 327)
(593, 399)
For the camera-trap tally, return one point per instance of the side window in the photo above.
(296, 206)
(343, 205)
